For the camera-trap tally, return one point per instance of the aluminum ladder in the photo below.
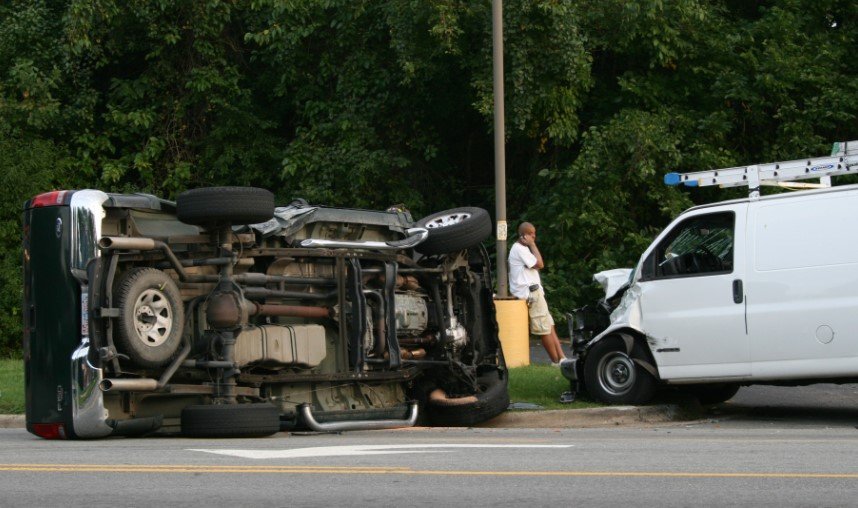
(842, 161)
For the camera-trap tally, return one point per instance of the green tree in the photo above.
(392, 100)
(369, 103)
(29, 168)
(684, 86)
(174, 96)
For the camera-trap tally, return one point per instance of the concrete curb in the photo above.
(11, 421)
(591, 417)
(545, 419)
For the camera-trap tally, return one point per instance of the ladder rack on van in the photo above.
(843, 160)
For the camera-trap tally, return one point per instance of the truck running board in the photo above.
(414, 238)
(307, 414)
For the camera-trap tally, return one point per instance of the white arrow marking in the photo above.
(358, 450)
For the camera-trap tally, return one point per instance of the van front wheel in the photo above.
(612, 376)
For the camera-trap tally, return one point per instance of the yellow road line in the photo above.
(125, 468)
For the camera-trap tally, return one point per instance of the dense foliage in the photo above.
(370, 103)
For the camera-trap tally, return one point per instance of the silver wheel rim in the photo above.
(617, 373)
(153, 317)
(448, 219)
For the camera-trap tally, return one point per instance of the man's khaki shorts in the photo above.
(537, 309)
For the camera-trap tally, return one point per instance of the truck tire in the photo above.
(230, 420)
(612, 376)
(454, 230)
(491, 400)
(151, 317)
(209, 206)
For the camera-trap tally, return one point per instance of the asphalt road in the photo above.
(816, 406)
(769, 446)
(713, 463)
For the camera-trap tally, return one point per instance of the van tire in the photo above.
(612, 376)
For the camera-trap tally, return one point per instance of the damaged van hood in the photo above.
(613, 280)
(627, 313)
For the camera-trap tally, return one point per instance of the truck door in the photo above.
(692, 296)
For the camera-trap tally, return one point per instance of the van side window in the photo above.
(701, 245)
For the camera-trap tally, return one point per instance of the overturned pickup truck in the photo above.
(220, 315)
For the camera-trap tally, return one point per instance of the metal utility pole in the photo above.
(500, 152)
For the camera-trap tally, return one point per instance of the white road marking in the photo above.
(359, 450)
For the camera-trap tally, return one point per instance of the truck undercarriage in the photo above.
(311, 317)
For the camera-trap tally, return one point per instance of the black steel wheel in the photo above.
(612, 374)
(151, 316)
(454, 230)
(208, 206)
(230, 420)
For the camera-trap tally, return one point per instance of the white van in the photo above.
(756, 290)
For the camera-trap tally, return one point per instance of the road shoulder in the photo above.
(594, 417)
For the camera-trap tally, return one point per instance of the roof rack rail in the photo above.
(843, 160)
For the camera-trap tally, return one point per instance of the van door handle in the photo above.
(738, 293)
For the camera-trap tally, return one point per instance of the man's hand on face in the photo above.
(528, 239)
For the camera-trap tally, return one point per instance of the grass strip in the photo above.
(11, 386)
(542, 385)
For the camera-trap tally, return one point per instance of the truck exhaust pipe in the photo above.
(128, 385)
(122, 243)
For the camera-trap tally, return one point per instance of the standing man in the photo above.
(525, 261)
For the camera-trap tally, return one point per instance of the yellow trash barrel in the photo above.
(513, 331)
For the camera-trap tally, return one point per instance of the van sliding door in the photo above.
(803, 286)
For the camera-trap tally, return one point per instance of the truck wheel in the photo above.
(491, 400)
(230, 420)
(225, 205)
(151, 317)
(612, 376)
(712, 393)
(454, 230)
